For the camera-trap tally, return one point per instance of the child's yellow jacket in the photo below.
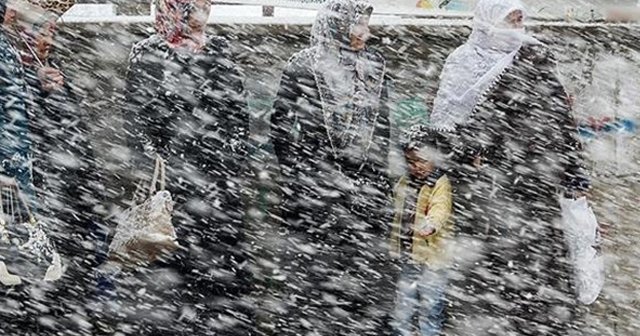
(435, 206)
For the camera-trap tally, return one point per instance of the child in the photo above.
(422, 224)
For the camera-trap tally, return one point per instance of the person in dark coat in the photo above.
(518, 152)
(66, 174)
(331, 134)
(16, 150)
(185, 102)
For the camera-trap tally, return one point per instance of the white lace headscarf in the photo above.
(473, 67)
(349, 81)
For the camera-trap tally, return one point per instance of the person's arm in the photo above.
(383, 138)
(141, 83)
(284, 117)
(225, 97)
(140, 107)
(575, 178)
(440, 210)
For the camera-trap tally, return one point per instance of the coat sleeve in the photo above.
(140, 91)
(225, 105)
(570, 149)
(383, 136)
(284, 117)
(441, 206)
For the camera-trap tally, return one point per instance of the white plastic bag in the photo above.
(145, 231)
(581, 234)
(25, 249)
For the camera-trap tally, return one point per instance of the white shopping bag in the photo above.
(145, 231)
(581, 234)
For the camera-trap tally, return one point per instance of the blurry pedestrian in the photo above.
(15, 155)
(16, 143)
(421, 233)
(184, 101)
(518, 152)
(330, 129)
(66, 174)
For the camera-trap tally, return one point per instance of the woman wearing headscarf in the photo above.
(518, 151)
(184, 101)
(330, 129)
(15, 150)
(32, 291)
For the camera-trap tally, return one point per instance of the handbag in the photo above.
(26, 252)
(145, 231)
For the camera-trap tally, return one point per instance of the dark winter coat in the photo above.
(67, 174)
(313, 177)
(524, 131)
(335, 209)
(190, 110)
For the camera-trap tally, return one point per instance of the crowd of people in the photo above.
(465, 243)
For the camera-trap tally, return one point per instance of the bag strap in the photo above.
(16, 199)
(25, 203)
(159, 176)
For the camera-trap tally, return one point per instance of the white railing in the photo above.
(290, 12)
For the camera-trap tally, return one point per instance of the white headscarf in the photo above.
(473, 67)
(349, 81)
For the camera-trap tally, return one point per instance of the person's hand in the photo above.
(426, 233)
(50, 78)
(477, 162)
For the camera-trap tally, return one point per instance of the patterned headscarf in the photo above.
(171, 20)
(58, 7)
(473, 67)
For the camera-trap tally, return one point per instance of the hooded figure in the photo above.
(184, 101)
(517, 151)
(330, 130)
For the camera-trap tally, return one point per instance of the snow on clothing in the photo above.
(473, 67)
(15, 144)
(433, 205)
(524, 128)
(69, 188)
(189, 108)
(15, 150)
(424, 261)
(330, 130)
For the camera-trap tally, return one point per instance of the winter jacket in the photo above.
(525, 130)
(434, 208)
(15, 142)
(189, 109)
(313, 178)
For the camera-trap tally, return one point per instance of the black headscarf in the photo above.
(3, 9)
